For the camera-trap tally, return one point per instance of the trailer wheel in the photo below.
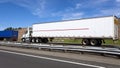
(94, 42)
(85, 41)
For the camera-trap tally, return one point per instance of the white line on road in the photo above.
(58, 60)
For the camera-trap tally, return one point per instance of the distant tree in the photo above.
(11, 28)
(20, 28)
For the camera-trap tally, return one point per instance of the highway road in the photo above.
(17, 59)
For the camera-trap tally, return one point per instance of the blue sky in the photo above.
(24, 13)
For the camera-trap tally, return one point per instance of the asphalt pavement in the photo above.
(20, 60)
(16, 59)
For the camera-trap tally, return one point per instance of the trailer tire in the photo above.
(94, 42)
(85, 41)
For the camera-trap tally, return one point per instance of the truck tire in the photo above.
(94, 42)
(33, 40)
(23, 40)
(44, 40)
(38, 40)
(99, 42)
(85, 41)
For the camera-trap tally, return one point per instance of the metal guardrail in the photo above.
(101, 50)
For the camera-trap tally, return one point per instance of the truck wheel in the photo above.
(44, 40)
(23, 40)
(33, 40)
(94, 42)
(99, 42)
(85, 42)
(38, 40)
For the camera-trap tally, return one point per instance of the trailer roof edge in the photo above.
(76, 19)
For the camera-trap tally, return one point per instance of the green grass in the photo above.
(78, 41)
(109, 41)
(67, 40)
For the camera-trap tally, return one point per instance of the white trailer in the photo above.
(92, 30)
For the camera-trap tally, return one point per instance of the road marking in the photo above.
(47, 58)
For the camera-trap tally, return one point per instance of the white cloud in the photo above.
(115, 10)
(111, 12)
(101, 1)
(97, 2)
(73, 13)
(37, 7)
(2, 28)
(108, 12)
(91, 3)
(118, 3)
(70, 16)
(69, 13)
(78, 5)
(117, 0)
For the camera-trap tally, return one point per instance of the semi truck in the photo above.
(8, 35)
(92, 31)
